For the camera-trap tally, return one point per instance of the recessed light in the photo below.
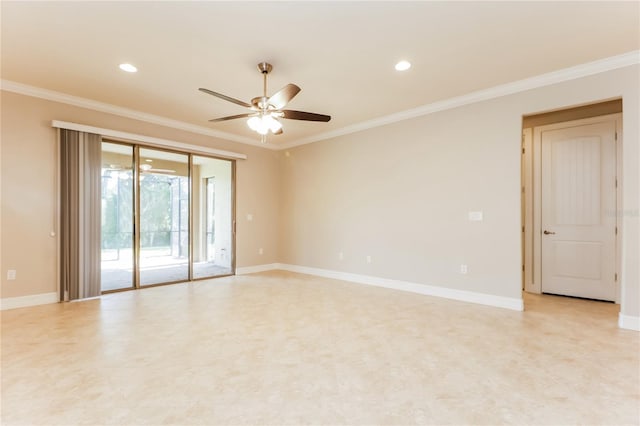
(403, 66)
(128, 68)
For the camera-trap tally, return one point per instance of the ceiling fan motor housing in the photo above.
(264, 67)
(261, 102)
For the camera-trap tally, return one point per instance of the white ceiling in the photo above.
(341, 53)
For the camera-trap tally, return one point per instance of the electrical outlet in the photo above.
(368, 259)
(464, 269)
(249, 217)
(11, 274)
(260, 251)
(341, 256)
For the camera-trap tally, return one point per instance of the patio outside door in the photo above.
(166, 217)
(213, 218)
(117, 254)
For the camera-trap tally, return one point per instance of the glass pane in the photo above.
(164, 217)
(117, 216)
(213, 217)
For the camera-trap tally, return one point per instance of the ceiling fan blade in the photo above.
(225, 97)
(307, 116)
(232, 117)
(283, 96)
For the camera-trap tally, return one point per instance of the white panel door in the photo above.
(578, 211)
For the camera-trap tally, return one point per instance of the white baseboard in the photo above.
(257, 268)
(24, 301)
(628, 322)
(427, 290)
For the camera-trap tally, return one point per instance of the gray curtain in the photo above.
(80, 210)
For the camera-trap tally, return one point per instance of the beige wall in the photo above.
(29, 192)
(401, 193)
(398, 193)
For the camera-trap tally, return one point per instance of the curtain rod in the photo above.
(150, 140)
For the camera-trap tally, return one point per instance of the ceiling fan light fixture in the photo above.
(263, 124)
(263, 130)
(273, 124)
(254, 123)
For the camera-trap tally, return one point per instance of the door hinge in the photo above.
(522, 268)
(616, 230)
(523, 150)
(616, 182)
(615, 277)
(523, 229)
(616, 135)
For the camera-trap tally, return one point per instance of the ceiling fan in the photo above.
(266, 111)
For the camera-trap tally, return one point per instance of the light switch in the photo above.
(475, 216)
(11, 274)
(249, 217)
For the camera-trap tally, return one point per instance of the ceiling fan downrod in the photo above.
(265, 68)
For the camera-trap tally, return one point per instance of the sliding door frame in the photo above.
(139, 214)
(136, 213)
(191, 197)
(136, 216)
(233, 218)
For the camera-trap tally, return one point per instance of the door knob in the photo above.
(548, 232)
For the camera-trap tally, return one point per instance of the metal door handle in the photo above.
(548, 232)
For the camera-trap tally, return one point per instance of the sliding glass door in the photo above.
(117, 254)
(213, 240)
(166, 217)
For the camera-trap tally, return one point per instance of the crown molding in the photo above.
(566, 74)
(50, 95)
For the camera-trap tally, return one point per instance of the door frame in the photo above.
(136, 146)
(532, 199)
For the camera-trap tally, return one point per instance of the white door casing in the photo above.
(578, 204)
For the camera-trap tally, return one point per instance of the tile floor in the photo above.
(280, 348)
